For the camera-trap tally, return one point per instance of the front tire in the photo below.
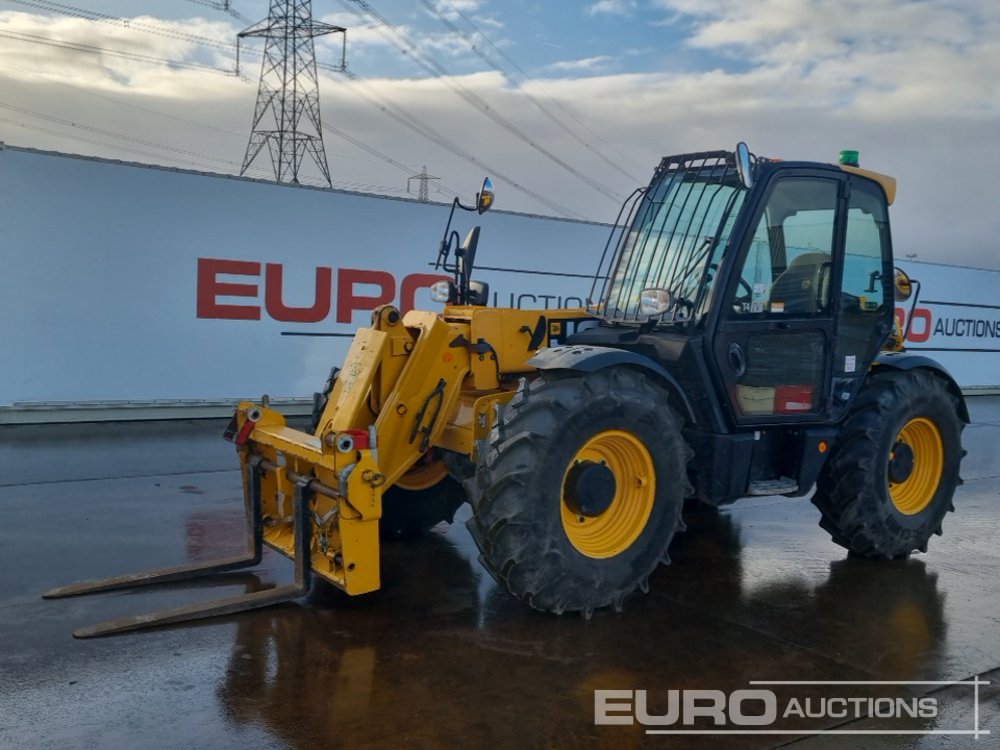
(893, 471)
(581, 490)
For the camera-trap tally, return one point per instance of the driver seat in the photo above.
(804, 287)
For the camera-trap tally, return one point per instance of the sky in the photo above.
(569, 105)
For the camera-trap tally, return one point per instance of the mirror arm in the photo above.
(872, 278)
(909, 315)
(445, 248)
(461, 272)
(459, 268)
(442, 258)
(462, 285)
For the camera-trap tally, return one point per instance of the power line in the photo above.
(526, 77)
(414, 123)
(120, 102)
(84, 139)
(58, 43)
(477, 102)
(382, 103)
(92, 15)
(225, 6)
(384, 157)
(434, 67)
(111, 134)
(365, 147)
(199, 160)
(97, 50)
(432, 7)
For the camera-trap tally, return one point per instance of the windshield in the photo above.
(676, 235)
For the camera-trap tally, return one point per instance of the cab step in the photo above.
(781, 486)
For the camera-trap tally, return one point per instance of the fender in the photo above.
(582, 358)
(911, 361)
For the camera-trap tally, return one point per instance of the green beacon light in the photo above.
(849, 157)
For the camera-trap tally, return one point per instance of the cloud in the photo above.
(874, 55)
(612, 7)
(581, 65)
(368, 41)
(759, 23)
(466, 11)
(454, 6)
(919, 97)
(116, 57)
(802, 31)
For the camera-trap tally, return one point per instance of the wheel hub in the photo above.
(915, 466)
(901, 462)
(589, 489)
(608, 492)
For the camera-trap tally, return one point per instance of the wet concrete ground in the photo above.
(439, 657)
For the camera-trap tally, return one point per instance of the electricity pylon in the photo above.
(422, 182)
(286, 118)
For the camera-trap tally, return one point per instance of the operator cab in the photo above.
(764, 289)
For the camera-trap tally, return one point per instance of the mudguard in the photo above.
(585, 358)
(912, 361)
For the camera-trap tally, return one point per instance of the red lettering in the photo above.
(412, 283)
(923, 315)
(277, 309)
(900, 319)
(210, 289)
(348, 301)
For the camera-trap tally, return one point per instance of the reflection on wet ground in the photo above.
(439, 657)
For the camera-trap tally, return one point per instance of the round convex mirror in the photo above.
(903, 285)
(485, 201)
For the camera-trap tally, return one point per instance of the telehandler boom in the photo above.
(740, 339)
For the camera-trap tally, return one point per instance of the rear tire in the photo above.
(407, 512)
(892, 473)
(410, 513)
(551, 528)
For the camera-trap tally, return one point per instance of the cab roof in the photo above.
(888, 183)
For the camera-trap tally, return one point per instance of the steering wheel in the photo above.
(745, 299)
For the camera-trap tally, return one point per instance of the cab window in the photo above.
(788, 268)
(866, 289)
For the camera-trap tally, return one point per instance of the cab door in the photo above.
(774, 340)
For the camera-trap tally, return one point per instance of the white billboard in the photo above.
(955, 319)
(130, 283)
(124, 283)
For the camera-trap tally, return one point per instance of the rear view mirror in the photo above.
(744, 165)
(479, 293)
(484, 201)
(903, 285)
(467, 252)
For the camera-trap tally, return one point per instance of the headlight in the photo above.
(441, 291)
(655, 301)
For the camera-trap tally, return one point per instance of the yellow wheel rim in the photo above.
(914, 494)
(617, 528)
(425, 473)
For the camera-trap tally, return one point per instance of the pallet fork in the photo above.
(410, 384)
(229, 605)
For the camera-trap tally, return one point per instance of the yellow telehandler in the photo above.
(741, 338)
